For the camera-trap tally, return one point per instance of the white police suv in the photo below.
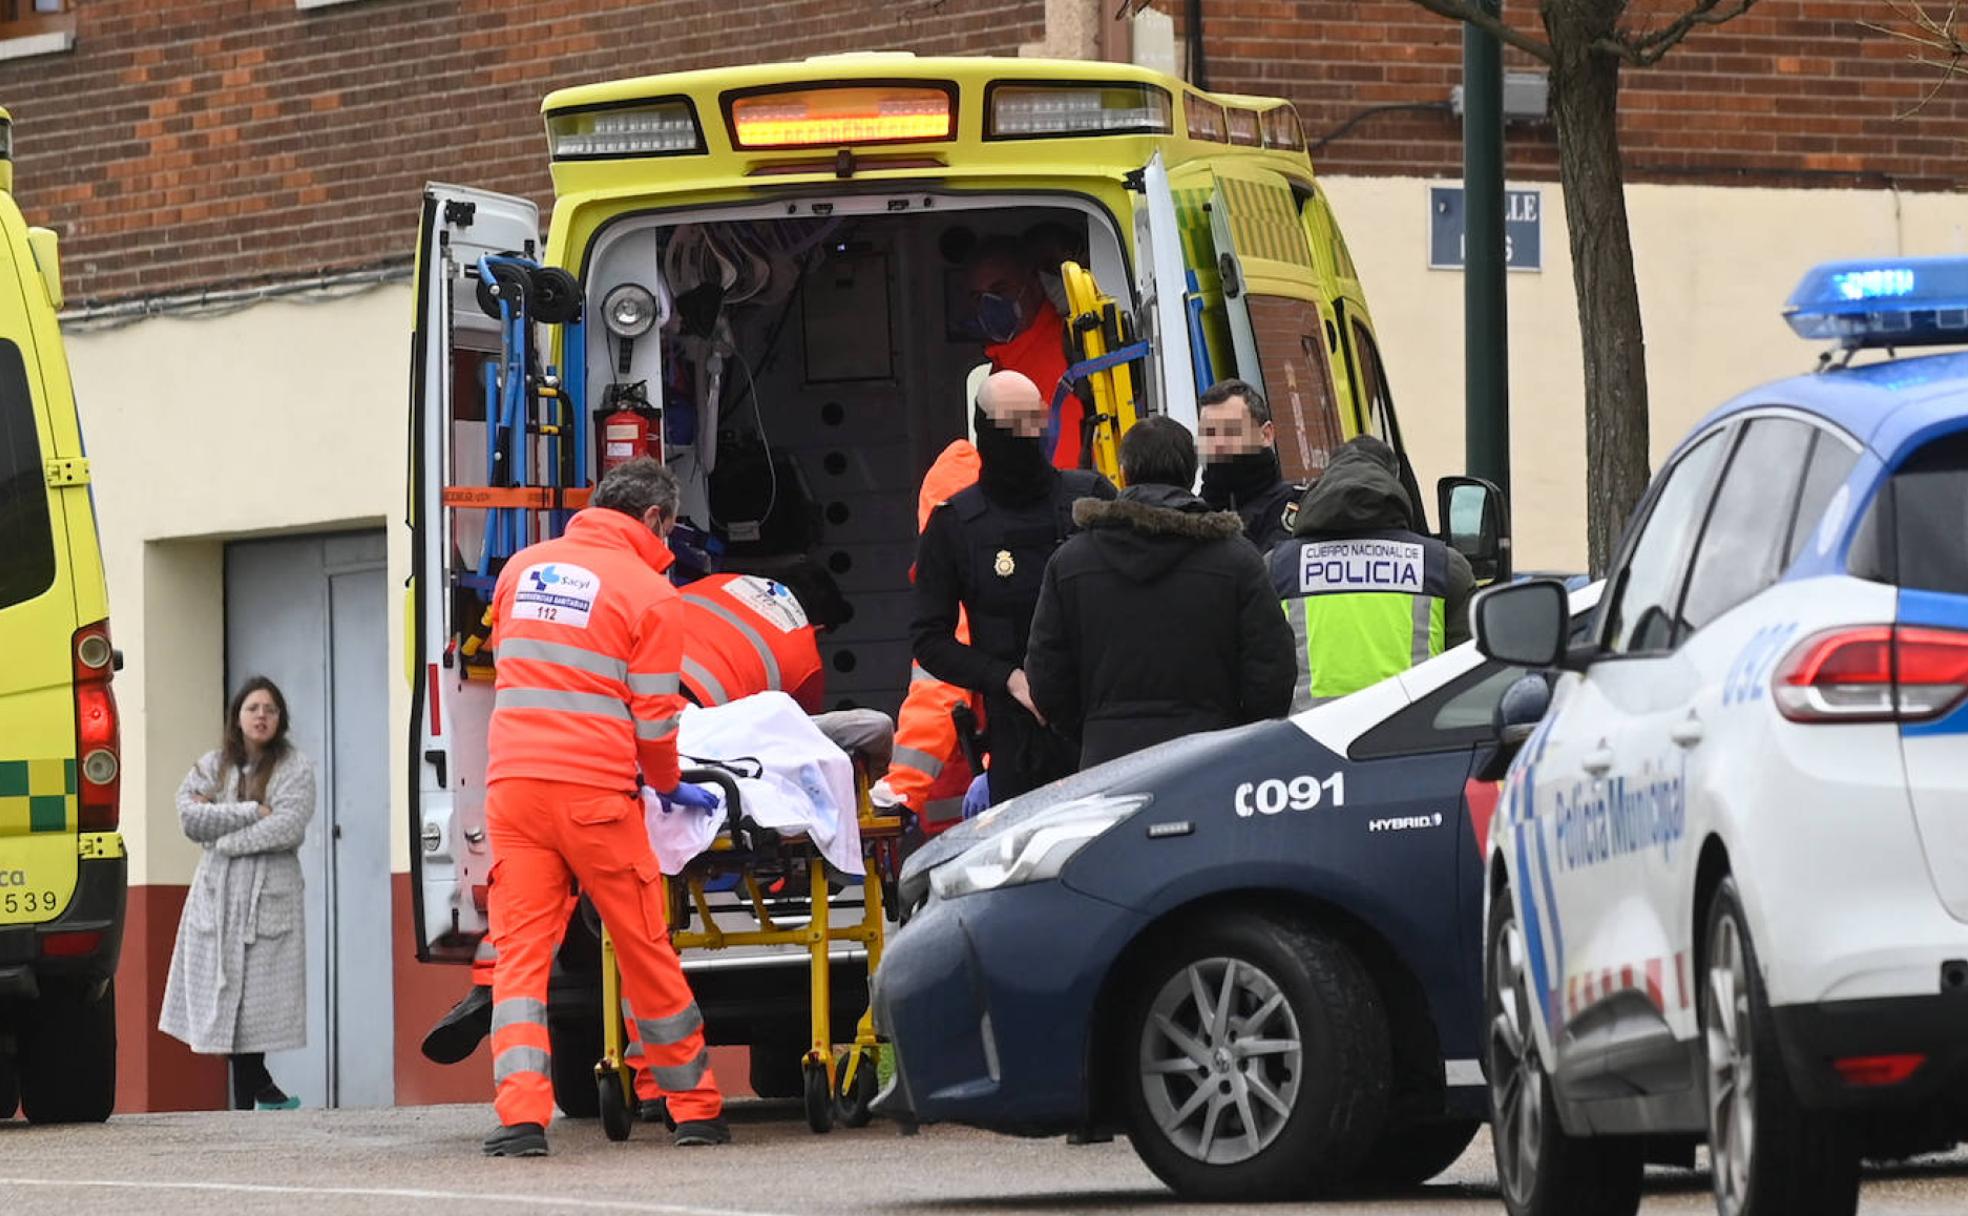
(1728, 879)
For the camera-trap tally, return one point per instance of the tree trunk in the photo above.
(1585, 99)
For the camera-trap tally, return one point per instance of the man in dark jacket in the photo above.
(985, 551)
(1157, 620)
(1240, 462)
(1367, 595)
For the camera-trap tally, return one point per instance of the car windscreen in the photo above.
(27, 543)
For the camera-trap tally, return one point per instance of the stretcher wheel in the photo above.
(616, 1118)
(515, 287)
(855, 1100)
(819, 1098)
(556, 296)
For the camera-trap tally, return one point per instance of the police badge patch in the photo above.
(1004, 567)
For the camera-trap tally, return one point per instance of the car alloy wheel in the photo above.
(1731, 1067)
(1516, 1071)
(1220, 1060)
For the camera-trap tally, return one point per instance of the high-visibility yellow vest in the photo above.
(1362, 608)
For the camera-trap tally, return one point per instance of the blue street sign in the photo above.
(1523, 228)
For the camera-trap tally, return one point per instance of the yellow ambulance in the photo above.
(769, 269)
(62, 875)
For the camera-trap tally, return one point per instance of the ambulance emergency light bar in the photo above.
(1038, 110)
(1884, 302)
(835, 116)
(666, 127)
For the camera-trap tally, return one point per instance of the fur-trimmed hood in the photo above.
(1150, 528)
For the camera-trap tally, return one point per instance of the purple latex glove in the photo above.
(977, 798)
(694, 797)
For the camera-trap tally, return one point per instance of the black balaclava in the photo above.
(1231, 483)
(1013, 470)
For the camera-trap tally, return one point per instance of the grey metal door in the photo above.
(311, 614)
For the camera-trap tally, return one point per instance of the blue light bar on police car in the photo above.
(1885, 302)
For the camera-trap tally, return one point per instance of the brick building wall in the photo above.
(1796, 93)
(208, 141)
(205, 142)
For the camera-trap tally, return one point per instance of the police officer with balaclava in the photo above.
(984, 551)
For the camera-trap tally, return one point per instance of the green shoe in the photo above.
(286, 1102)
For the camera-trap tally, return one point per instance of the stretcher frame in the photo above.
(835, 1089)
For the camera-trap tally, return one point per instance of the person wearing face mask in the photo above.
(983, 553)
(1025, 333)
(589, 638)
(1240, 463)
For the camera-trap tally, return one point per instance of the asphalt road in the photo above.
(427, 1159)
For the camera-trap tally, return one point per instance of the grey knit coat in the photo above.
(238, 979)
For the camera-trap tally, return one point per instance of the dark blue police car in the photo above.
(1257, 951)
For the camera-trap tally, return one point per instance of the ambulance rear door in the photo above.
(452, 344)
(1161, 281)
(1272, 297)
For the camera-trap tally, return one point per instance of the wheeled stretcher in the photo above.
(773, 866)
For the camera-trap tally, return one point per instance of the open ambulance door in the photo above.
(1272, 296)
(1161, 282)
(452, 341)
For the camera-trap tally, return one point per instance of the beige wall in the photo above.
(1715, 266)
(287, 417)
(278, 418)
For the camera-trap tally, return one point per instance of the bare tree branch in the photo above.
(1482, 19)
(1937, 41)
(1645, 50)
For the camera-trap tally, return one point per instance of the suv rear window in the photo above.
(27, 542)
(1916, 531)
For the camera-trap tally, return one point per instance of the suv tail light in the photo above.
(98, 732)
(1873, 673)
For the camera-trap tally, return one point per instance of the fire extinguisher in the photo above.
(632, 431)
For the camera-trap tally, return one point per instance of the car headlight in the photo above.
(1035, 849)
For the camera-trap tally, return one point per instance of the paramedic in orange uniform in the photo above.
(589, 639)
(1023, 332)
(747, 634)
(743, 634)
(929, 773)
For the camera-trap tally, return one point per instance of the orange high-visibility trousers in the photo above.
(546, 834)
(645, 1082)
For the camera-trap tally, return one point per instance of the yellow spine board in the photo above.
(1113, 389)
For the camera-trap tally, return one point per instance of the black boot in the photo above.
(697, 1133)
(656, 1110)
(459, 1032)
(519, 1140)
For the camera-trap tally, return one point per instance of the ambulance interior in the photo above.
(805, 363)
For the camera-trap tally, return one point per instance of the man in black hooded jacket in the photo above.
(1157, 620)
(984, 551)
(1367, 594)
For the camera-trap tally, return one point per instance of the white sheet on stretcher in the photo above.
(807, 786)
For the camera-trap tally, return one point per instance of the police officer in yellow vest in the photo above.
(1368, 596)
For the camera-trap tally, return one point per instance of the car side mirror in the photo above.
(1475, 524)
(1523, 706)
(1523, 624)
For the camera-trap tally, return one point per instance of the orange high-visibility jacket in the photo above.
(929, 772)
(746, 634)
(589, 637)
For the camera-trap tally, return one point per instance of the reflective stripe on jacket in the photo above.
(1362, 608)
(588, 635)
(744, 634)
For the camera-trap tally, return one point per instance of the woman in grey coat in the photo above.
(238, 983)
